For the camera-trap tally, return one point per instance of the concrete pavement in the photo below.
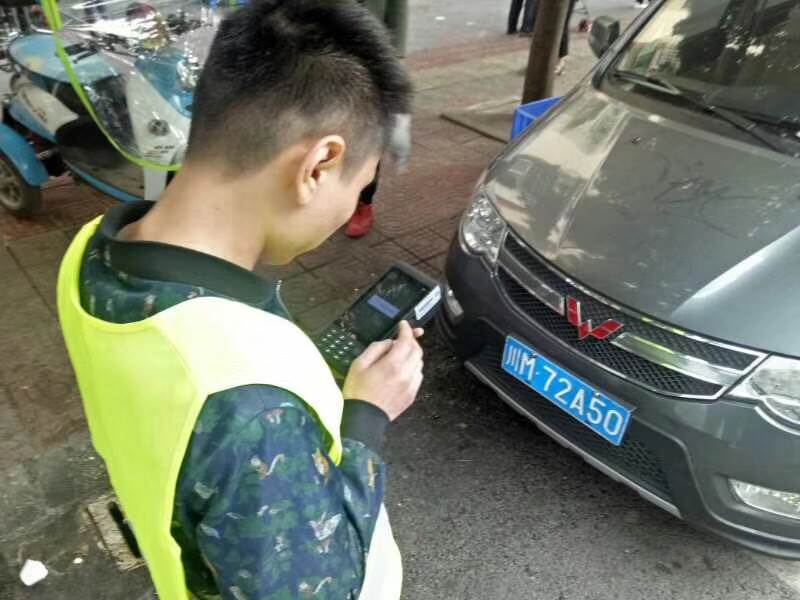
(484, 506)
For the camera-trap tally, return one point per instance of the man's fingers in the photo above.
(417, 382)
(412, 362)
(406, 348)
(374, 352)
(404, 343)
(418, 332)
(404, 332)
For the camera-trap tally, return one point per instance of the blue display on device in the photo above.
(384, 306)
(401, 294)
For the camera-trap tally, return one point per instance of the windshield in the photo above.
(739, 54)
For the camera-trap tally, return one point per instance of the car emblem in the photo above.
(585, 329)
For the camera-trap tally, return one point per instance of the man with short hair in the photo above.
(243, 470)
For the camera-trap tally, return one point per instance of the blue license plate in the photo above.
(599, 413)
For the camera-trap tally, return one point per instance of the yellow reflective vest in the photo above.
(143, 385)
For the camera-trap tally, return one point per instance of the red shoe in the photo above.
(361, 221)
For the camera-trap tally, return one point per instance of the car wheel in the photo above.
(16, 196)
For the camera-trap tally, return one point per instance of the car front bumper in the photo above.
(679, 454)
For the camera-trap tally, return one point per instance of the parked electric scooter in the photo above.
(105, 95)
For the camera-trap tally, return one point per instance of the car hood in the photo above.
(694, 229)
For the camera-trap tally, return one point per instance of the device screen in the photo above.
(377, 313)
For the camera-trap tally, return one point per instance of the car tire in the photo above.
(16, 196)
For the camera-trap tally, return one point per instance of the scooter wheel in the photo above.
(16, 196)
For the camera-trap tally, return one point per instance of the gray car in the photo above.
(627, 274)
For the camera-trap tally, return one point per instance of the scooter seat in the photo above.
(67, 95)
(82, 142)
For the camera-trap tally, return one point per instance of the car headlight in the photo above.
(482, 227)
(776, 385)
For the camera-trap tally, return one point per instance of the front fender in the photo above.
(20, 153)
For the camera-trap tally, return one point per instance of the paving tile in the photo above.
(7, 263)
(63, 205)
(446, 137)
(438, 77)
(49, 408)
(13, 450)
(21, 499)
(72, 204)
(431, 191)
(382, 256)
(447, 227)
(22, 310)
(353, 272)
(439, 261)
(429, 269)
(45, 279)
(486, 148)
(437, 143)
(424, 243)
(70, 473)
(339, 245)
(426, 124)
(47, 404)
(455, 52)
(39, 249)
(306, 291)
(503, 85)
(433, 101)
(346, 274)
(503, 63)
(28, 349)
(329, 251)
(12, 228)
(315, 320)
(414, 217)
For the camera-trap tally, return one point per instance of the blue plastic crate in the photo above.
(526, 114)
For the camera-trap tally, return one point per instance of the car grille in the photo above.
(640, 370)
(632, 459)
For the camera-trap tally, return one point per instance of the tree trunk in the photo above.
(543, 58)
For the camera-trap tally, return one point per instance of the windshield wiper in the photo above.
(734, 118)
(790, 124)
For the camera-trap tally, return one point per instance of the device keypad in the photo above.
(339, 346)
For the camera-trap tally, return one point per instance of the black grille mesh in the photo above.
(632, 458)
(625, 363)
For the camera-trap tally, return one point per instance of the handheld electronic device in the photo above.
(401, 294)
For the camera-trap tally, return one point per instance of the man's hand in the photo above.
(388, 373)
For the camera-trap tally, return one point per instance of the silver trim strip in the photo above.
(758, 357)
(535, 286)
(754, 353)
(518, 310)
(597, 464)
(682, 363)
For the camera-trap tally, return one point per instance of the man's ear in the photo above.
(321, 161)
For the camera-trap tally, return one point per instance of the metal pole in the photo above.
(397, 22)
(377, 8)
(393, 14)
